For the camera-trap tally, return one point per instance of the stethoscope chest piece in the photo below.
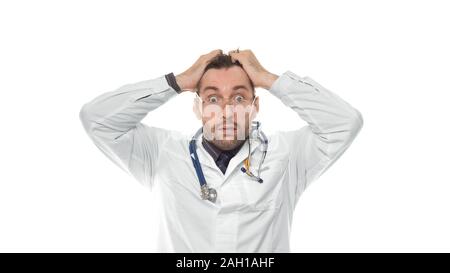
(208, 193)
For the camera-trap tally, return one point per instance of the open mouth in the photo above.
(228, 128)
(227, 131)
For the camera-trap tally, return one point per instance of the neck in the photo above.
(218, 148)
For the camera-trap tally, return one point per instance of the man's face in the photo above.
(226, 106)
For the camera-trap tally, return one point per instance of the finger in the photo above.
(231, 55)
(209, 56)
(234, 56)
(216, 51)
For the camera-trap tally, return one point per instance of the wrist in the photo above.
(269, 79)
(181, 81)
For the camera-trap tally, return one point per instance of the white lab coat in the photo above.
(248, 216)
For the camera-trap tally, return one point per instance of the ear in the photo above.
(255, 108)
(196, 108)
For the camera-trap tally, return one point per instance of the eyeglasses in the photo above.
(219, 101)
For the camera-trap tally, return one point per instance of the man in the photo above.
(251, 183)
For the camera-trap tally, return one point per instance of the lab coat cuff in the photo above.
(164, 85)
(172, 81)
(157, 86)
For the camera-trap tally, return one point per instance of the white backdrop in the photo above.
(389, 192)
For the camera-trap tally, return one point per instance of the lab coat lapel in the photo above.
(204, 157)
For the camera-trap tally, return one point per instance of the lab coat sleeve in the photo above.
(113, 122)
(332, 126)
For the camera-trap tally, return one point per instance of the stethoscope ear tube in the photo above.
(257, 178)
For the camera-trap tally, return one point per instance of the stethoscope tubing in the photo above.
(210, 193)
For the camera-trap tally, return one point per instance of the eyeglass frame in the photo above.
(208, 103)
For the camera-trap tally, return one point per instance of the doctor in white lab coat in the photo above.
(246, 215)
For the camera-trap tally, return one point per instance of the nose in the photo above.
(228, 112)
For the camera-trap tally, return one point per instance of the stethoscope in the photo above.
(209, 193)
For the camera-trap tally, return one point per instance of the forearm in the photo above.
(268, 80)
(333, 121)
(181, 82)
(118, 111)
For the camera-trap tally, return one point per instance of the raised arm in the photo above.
(332, 122)
(113, 122)
(332, 126)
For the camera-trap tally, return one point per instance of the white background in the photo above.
(389, 59)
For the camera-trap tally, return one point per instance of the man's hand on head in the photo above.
(188, 79)
(255, 71)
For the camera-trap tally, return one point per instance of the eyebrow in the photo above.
(217, 89)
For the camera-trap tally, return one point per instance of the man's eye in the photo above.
(239, 99)
(212, 100)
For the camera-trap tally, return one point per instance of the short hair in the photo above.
(223, 61)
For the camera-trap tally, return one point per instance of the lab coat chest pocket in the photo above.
(263, 196)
